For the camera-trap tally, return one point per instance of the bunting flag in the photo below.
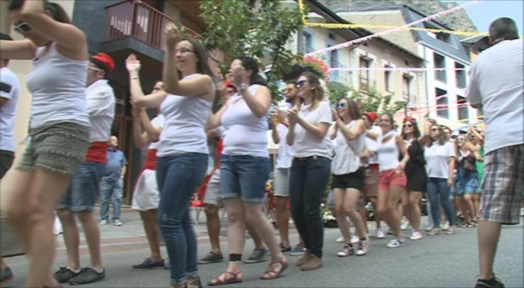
(402, 69)
(362, 39)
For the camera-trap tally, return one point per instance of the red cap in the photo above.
(410, 119)
(371, 116)
(105, 61)
(229, 83)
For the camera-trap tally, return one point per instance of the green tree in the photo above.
(258, 29)
(374, 101)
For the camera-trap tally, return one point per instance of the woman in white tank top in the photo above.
(349, 174)
(392, 180)
(59, 126)
(244, 168)
(182, 150)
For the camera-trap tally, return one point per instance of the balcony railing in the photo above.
(138, 20)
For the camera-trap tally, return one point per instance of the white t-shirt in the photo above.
(306, 144)
(347, 153)
(9, 89)
(100, 100)
(372, 145)
(285, 152)
(437, 159)
(157, 122)
(246, 133)
(497, 81)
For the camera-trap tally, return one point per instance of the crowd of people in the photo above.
(367, 156)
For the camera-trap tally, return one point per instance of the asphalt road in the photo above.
(438, 261)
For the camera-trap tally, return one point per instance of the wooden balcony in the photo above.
(138, 20)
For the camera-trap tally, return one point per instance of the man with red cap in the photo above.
(80, 199)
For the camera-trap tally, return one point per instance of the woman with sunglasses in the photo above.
(244, 168)
(309, 122)
(183, 152)
(416, 175)
(440, 165)
(349, 174)
(146, 196)
(59, 126)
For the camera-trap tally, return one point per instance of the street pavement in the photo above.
(438, 261)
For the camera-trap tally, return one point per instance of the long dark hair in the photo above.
(57, 11)
(201, 53)
(416, 131)
(249, 63)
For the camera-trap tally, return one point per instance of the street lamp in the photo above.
(403, 103)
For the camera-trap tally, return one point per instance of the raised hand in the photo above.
(132, 63)
(172, 35)
(239, 76)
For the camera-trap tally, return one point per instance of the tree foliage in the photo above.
(259, 29)
(373, 101)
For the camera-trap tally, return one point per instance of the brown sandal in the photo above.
(272, 274)
(236, 278)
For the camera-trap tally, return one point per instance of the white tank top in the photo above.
(58, 85)
(184, 126)
(347, 158)
(387, 152)
(246, 133)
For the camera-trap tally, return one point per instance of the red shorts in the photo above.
(390, 178)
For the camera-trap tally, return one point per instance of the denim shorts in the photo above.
(58, 147)
(244, 177)
(84, 188)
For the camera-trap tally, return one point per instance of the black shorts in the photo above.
(353, 180)
(6, 160)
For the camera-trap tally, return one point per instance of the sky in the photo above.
(486, 11)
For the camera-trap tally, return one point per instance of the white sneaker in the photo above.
(340, 239)
(380, 234)
(522, 211)
(354, 240)
(103, 222)
(429, 228)
(405, 225)
(118, 223)
(363, 247)
(416, 236)
(395, 243)
(346, 251)
(445, 227)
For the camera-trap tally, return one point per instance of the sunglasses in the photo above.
(22, 28)
(183, 51)
(300, 83)
(434, 129)
(407, 125)
(342, 105)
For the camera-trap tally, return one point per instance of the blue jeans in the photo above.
(438, 188)
(307, 183)
(178, 178)
(244, 177)
(84, 187)
(113, 190)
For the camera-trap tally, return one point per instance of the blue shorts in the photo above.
(244, 177)
(84, 188)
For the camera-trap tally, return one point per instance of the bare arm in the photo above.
(333, 133)
(18, 49)
(71, 41)
(258, 103)
(290, 137)
(152, 131)
(140, 138)
(479, 136)
(350, 134)
(274, 133)
(137, 96)
(372, 134)
(215, 120)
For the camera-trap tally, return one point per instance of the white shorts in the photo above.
(146, 195)
(213, 190)
(281, 182)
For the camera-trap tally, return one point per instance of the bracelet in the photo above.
(133, 78)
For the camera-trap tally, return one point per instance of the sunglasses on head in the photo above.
(22, 28)
(342, 105)
(300, 83)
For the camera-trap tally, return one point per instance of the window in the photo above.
(307, 41)
(333, 63)
(462, 109)
(388, 79)
(460, 75)
(406, 87)
(440, 62)
(364, 63)
(442, 103)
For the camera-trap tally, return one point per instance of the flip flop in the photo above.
(219, 282)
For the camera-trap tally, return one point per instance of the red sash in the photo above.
(97, 152)
(220, 147)
(150, 162)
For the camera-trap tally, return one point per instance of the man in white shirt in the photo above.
(497, 84)
(9, 90)
(85, 185)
